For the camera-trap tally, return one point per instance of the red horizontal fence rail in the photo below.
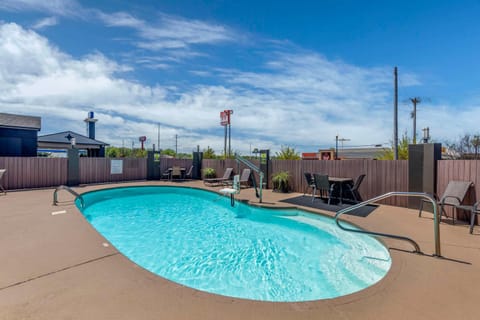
(30, 172)
(97, 170)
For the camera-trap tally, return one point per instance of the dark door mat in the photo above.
(306, 201)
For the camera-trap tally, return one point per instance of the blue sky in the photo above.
(296, 73)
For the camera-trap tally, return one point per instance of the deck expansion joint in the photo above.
(59, 270)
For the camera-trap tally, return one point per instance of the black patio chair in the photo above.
(354, 188)
(166, 174)
(310, 182)
(323, 185)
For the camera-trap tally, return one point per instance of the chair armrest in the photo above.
(475, 206)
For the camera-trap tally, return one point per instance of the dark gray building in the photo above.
(18, 135)
(63, 140)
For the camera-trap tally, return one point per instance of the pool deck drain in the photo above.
(58, 267)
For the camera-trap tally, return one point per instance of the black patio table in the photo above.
(340, 182)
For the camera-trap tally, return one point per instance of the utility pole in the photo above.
(229, 138)
(395, 114)
(414, 116)
(225, 144)
(158, 138)
(336, 147)
(176, 144)
(343, 140)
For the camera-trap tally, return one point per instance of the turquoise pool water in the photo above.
(195, 238)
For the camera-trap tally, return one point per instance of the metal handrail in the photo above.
(254, 168)
(436, 222)
(62, 187)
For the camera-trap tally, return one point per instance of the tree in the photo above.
(388, 154)
(287, 153)
(209, 153)
(168, 152)
(467, 147)
(114, 152)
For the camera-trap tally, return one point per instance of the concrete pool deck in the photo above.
(56, 266)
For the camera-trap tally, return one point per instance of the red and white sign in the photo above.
(225, 117)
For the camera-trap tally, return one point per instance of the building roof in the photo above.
(17, 121)
(65, 138)
(360, 153)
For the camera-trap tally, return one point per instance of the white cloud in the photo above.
(299, 99)
(45, 23)
(56, 7)
(174, 37)
(120, 19)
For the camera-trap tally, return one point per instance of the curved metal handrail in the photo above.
(254, 168)
(62, 187)
(436, 221)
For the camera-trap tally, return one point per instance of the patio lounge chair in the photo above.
(188, 175)
(245, 178)
(323, 185)
(354, 189)
(310, 182)
(2, 172)
(219, 181)
(452, 196)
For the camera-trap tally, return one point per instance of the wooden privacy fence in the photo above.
(97, 170)
(381, 176)
(29, 172)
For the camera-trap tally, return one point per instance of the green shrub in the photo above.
(281, 181)
(209, 173)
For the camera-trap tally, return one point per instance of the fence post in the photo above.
(153, 167)
(422, 170)
(73, 172)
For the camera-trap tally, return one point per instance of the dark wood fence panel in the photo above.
(465, 170)
(381, 176)
(29, 172)
(97, 170)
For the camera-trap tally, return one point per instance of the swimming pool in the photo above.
(195, 238)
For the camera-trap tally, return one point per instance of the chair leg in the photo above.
(472, 220)
(421, 208)
(354, 195)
